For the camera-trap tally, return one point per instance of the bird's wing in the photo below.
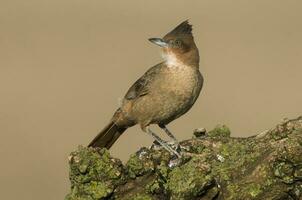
(141, 86)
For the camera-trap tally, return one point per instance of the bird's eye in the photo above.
(178, 43)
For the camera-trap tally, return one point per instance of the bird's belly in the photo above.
(171, 96)
(177, 100)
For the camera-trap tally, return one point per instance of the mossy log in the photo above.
(214, 166)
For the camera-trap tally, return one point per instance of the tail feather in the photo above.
(107, 137)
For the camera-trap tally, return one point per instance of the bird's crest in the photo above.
(183, 29)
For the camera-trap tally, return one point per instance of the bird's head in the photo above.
(178, 46)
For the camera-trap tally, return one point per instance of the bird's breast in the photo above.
(175, 92)
(181, 80)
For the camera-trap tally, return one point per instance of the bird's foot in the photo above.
(176, 146)
(155, 145)
(172, 146)
(174, 162)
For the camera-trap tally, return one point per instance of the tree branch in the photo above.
(214, 166)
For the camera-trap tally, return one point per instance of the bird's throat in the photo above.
(172, 59)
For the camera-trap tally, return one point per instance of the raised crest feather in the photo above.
(182, 29)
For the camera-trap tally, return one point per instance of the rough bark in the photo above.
(214, 166)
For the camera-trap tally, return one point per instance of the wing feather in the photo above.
(141, 86)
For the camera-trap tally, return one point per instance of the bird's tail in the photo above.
(107, 136)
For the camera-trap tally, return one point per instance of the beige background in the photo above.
(65, 63)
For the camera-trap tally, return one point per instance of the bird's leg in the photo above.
(175, 142)
(169, 133)
(161, 142)
(155, 143)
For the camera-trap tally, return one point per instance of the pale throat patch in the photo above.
(171, 59)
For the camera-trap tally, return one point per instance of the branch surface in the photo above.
(214, 166)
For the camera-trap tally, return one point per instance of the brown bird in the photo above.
(165, 92)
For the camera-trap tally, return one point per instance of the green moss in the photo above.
(189, 180)
(284, 171)
(163, 170)
(234, 156)
(97, 190)
(139, 165)
(297, 191)
(198, 149)
(268, 182)
(75, 197)
(158, 185)
(232, 150)
(243, 190)
(135, 166)
(220, 131)
(298, 172)
(140, 197)
(293, 154)
(254, 189)
(93, 173)
(154, 187)
(232, 191)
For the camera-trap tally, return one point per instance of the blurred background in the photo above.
(64, 65)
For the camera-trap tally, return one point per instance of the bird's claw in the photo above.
(175, 147)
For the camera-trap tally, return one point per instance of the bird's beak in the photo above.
(158, 41)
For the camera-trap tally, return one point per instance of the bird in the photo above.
(162, 94)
